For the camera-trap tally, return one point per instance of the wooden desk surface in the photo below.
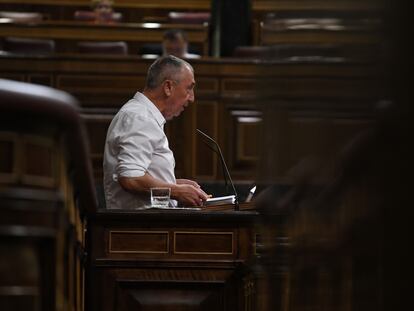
(216, 213)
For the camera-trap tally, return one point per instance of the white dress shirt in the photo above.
(136, 144)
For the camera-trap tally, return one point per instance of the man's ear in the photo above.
(167, 88)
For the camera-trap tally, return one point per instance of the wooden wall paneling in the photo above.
(18, 151)
(255, 31)
(306, 132)
(346, 271)
(247, 141)
(104, 101)
(104, 84)
(43, 172)
(206, 119)
(272, 37)
(317, 136)
(239, 93)
(41, 79)
(181, 135)
(13, 76)
(97, 126)
(101, 92)
(283, 5)
(343, 129)
(262, 8)
(249, 293)
(244, 139)
(223, 86)
(9, 157)
(240, 130)
(322, 87)
(206, 86)
(206, 161)
(95, 87)
(238, 87)
(310, 141)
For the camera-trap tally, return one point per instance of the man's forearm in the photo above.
(186, 193)
(142, 183)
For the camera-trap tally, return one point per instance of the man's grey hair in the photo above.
(165, 68)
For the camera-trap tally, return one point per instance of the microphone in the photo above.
(225, 169)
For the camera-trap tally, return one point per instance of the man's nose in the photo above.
(191, 97)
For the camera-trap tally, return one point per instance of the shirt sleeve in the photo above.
(136, 145)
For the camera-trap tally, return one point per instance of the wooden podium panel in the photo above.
(171, 260)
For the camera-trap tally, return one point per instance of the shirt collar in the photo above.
(152, 108)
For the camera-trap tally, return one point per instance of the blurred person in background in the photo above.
(175, 43)
(103, 10)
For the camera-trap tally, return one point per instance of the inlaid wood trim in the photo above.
(100, 83)
(112, 251)
(256, 238)
(211, 130)
(175, 251)
(37, 180)
(13, 76)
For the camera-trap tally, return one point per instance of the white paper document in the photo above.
(228, 199)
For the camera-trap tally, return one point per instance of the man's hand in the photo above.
(188, 194)
(188, 182)
(186, 191)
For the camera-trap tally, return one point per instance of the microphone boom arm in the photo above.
(226, 183)
(236, 199)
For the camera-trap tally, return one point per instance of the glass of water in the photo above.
(160, 197)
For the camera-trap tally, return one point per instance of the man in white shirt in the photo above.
(137, 156)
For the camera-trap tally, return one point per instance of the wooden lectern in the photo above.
(172, 259)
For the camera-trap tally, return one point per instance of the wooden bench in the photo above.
(46, 196)
(68, 33)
